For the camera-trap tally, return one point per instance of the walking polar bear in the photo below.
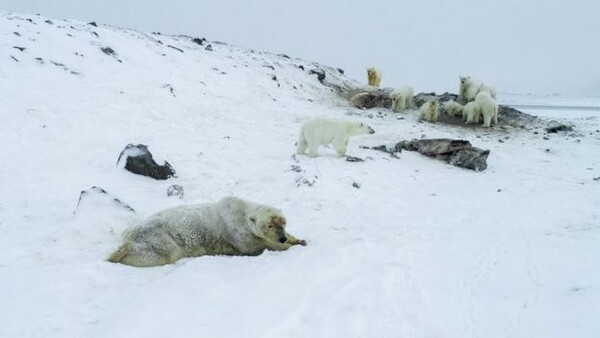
(429, 111)
(402, 98)
(323, 131)
(373, 76)
(231, 226)
(472, 113)
(470, 87)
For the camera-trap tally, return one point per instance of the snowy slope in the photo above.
(422, 249)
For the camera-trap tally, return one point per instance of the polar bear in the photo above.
(402, 98)
(488, 88)
(373, 76)
(429, 111)
(453, 108)
(323, 131)
(489, 108)
(232, 226)
(470, 87)
(471, 113)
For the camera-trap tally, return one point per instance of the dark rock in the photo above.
(392, 151)
(274, 78)
(21, 49)
(284, 56)
(49, 22)
(14, 58)
(456, 152)
(596, 178)
(93, 23)
(177, 49)
(175, 190)
(356, 185)
(301, 67)
(340, 70)
(108, 51)
(354, 159)
(209, 48)
(95, 34)
(17, 33)
(320, 74)
(139, 161)
(99, 191)
(199, 41)
(555, 127)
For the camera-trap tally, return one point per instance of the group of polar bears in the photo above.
(479, 101)
(232, 226)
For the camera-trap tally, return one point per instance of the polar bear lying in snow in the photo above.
(323, 131)
(232, 226)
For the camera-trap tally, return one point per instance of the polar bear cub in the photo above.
(429, 111)
(489, 108)
(323, 131)
(402, 98)
(231, 226)
(472, 113)
(373, 76)
(453, 108)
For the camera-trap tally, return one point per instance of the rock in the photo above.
(97, 191)
(175, 190)
(199, 41)
(93, 23)
(209, 48)
(138, 160)
(555, 127)
(459, 153)
(320, 74)
(108, 51)
(49, 22)
(354, 159)
(176, 48)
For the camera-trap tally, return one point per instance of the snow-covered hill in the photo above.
(421, 249)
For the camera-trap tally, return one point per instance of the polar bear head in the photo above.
(354, 128)
(464, 79)
(268, 223)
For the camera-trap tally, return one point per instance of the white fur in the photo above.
(471, 113)
(373, 76)
(453, 108)
(232, 226)
(402, 98)
(470, 87)
(429, 111)
(323, 131)
(489, 108)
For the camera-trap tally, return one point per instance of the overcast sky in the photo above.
(521, 46)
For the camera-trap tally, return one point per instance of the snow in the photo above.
(422, 249)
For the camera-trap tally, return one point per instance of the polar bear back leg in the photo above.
(153, 252)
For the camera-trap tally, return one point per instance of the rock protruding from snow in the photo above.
(175, 190)
(456, 152)
(372, 99)
(103, 194)
(138, 160)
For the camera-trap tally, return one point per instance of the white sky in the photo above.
(521, 46)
